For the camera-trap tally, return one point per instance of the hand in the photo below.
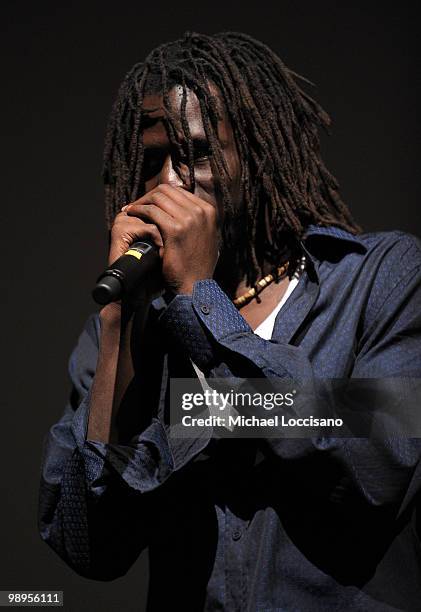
(124, 231)
(182, 225)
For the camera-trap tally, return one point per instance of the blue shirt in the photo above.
(256, 525)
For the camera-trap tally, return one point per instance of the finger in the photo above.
(188, 196)
(163, 194)
(159, 199)
(130, 229)
(196, 204)
(166, 224)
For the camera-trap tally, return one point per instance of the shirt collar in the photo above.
(334, 232)
(317, 241)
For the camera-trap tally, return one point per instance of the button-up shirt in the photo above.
(244, 524)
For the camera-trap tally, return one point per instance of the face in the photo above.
(162, 164)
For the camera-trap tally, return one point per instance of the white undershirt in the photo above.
(265, 329)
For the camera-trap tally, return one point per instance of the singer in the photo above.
(212, 153)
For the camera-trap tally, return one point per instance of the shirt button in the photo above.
(205, 309)
(236, 534)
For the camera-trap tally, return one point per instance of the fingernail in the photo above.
(124, 207)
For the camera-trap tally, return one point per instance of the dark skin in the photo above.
(187, 229)
(187, 226)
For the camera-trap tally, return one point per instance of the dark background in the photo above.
(62, 64)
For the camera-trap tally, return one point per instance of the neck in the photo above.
(231, 274)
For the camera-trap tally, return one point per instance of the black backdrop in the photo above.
(62, 63)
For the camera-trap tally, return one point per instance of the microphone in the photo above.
(140, 260)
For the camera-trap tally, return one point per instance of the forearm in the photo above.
(114, 370)
(96, 494)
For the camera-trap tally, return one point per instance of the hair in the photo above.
(284, 182)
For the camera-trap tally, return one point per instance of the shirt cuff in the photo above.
(145, 463)
(208, 318)
(184, 328)
(196, 322)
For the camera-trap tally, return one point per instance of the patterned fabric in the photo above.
(273, 524)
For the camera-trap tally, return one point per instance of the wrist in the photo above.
(184, 290)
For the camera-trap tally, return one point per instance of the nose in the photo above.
(170, 176)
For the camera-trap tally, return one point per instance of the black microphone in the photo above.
(119, 280)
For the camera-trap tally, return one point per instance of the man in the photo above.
(213, 153)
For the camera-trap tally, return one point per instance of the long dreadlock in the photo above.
(285, 184)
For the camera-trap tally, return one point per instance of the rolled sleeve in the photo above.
(180, 321)
(208, 320)
(97, 500)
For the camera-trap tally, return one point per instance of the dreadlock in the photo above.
(285, 184)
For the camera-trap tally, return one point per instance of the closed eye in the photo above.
(201, 154)
(154, 157)
(153, 160)
(202, 151)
